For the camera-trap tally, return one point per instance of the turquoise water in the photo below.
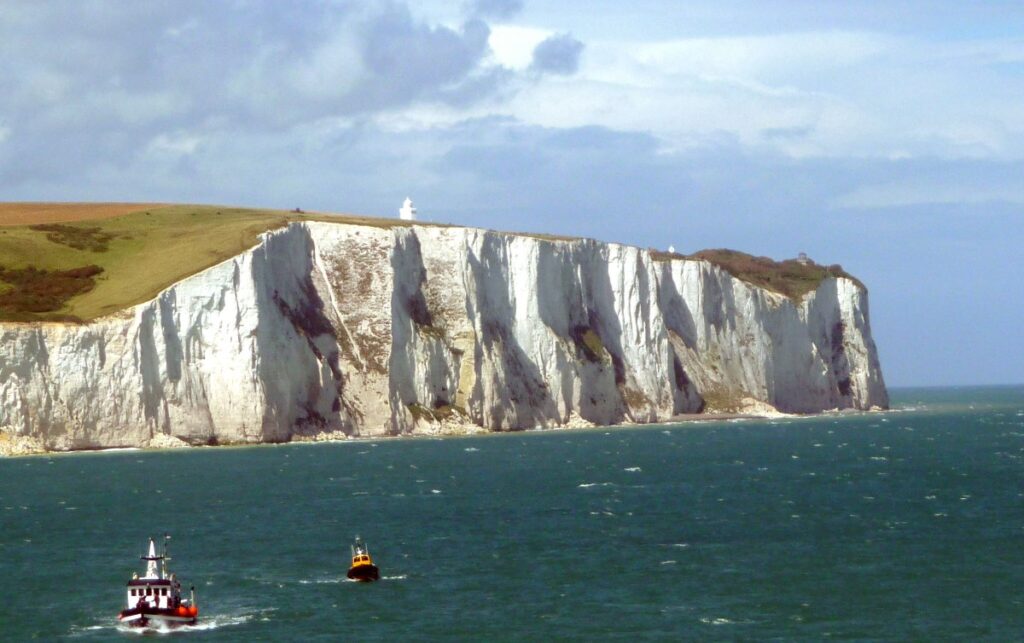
(907, 525)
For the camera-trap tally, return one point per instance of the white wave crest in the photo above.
(715, 621)
(331, 580)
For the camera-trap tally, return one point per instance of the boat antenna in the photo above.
(166, 556)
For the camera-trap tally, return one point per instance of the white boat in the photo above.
(155, 598)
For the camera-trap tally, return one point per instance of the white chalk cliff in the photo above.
(330, 328)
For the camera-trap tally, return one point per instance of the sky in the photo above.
(887, 137)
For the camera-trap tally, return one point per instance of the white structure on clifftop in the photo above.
(407, 212)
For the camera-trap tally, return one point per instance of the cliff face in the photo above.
(372, 331)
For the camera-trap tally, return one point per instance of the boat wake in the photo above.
(330, 580)
(337, 580)
(205, 623)
(208, 623)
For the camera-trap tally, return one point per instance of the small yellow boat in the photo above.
(362, 568)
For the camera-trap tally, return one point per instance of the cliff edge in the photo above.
(330, 329)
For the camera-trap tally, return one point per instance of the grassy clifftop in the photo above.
(791, 277)
(89, 260)
(78, 262)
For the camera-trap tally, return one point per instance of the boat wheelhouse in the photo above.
(155, 598)
(362, 568)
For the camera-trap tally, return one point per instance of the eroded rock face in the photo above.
(337, 329)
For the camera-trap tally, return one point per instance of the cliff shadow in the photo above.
(299, 356)
(516, 379)
(562, 310)
(682, 338)
(422, 369)
(603, 322)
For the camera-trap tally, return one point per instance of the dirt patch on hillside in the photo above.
(37, 213)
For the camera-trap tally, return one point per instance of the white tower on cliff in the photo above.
(407, 212)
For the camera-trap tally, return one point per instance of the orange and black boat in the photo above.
(362, 568)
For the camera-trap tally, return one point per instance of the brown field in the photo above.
(15, 213)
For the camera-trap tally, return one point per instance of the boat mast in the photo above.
(166, 557)
(152, 570)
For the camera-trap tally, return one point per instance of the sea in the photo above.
(903, 525)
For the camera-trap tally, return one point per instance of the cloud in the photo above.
(513, 45)
(558, 54)
(847, 94)
(498, 9)
(408, 60)
(139, 80)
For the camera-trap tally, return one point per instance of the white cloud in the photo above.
(820, 94)
(767, 57)
(166, 145)
(513, 46)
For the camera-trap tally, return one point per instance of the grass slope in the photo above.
(790, 277)
(78, 262)
(138, 254)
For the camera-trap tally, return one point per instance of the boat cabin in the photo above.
(157, 588)
(159, 593)
(360, 554)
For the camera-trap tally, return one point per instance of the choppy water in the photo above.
(908, 525)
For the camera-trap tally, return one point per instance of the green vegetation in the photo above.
(722, 400)
(31, 291)
(661, 255)
(136, 256)
(78, 237)
(131, 257)
(588, 343)
(542, 236)
(442, 411)
(790, 277)
(633, 398)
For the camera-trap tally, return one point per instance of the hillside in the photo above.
(77, 262)
(80, 261)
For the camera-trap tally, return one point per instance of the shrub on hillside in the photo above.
(33, 290)
(80, 238)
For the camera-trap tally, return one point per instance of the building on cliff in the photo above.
(407, 212)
